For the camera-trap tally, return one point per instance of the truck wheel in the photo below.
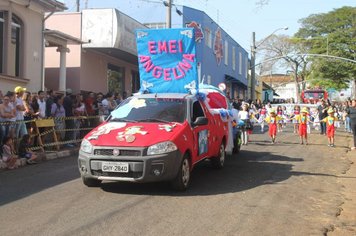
(219, 161)
(182, 180)
(90, 182)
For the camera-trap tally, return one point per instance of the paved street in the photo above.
(281, 189)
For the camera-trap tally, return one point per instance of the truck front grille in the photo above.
(122, 152)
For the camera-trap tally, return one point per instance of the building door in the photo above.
(116, 79)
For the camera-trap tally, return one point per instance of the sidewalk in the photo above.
(346, 221)
(45, 156)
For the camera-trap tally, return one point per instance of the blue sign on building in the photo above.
(167, 60)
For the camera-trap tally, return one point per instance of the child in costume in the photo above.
(261, 120)
(285, 116)
(280, 115)
(330, 126)
(272, 120)
(303, 120)
(295, 115)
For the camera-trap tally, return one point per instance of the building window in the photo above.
(116, 79)
(15, 46)
(226, 52)
(233, 58)
(240, 63)
(1, 41)
(208, 37)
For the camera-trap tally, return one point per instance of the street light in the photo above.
(253, 58)
(169, 5)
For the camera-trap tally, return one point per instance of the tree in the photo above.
(332, 33)
(288, 55)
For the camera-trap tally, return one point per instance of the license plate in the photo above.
(115, 167)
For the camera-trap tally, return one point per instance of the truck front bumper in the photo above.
(140, 168)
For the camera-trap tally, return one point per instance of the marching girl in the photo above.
(285, 116)
(295, 115)
(330, 126)
(244, 117)
(303, 120)
(263, 114)
(280, 115)
(272, 121)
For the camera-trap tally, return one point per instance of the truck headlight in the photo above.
(86, 146)
(161, 148)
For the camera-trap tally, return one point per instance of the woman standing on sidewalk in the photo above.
(352, 114)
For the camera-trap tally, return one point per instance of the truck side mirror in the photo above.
(201, 120)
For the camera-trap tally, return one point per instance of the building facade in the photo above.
(220, 58)
(105, 60)
(22, 42)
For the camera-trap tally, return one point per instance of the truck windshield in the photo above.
(150, 110)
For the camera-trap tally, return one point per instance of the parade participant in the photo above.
(295, 115)
(280, 115)
(272, 120)
(285, 116)
(330, 126)
(244, 116)
(303, 120)
(322, 110)
(263, 114)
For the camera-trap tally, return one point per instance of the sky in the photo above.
(239, 18)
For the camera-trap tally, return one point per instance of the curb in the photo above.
(60, 154)
(43, 156)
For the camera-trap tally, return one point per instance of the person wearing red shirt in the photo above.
(303, 125)
(330, 126)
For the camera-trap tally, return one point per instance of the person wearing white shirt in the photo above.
(41, 104)
(20, 108)
(245, 117)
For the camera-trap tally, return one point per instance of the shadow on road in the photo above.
(242, 172)
(28, 180)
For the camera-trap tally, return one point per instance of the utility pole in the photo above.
(78, 5)
(252, 66)
(169, 14)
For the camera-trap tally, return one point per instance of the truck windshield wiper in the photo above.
(122, 120)
(154, 120)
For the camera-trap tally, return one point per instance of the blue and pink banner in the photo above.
(167, 60)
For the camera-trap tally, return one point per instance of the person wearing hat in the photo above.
(303, 121)
(272, 120)
(20, 108)
(330, 126)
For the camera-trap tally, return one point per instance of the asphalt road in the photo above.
(280, 189)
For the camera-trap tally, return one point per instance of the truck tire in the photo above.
(219, 161)
(182, 180)
(90, 182)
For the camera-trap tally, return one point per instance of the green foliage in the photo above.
(332, 33)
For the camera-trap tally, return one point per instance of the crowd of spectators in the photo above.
(19, 108)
